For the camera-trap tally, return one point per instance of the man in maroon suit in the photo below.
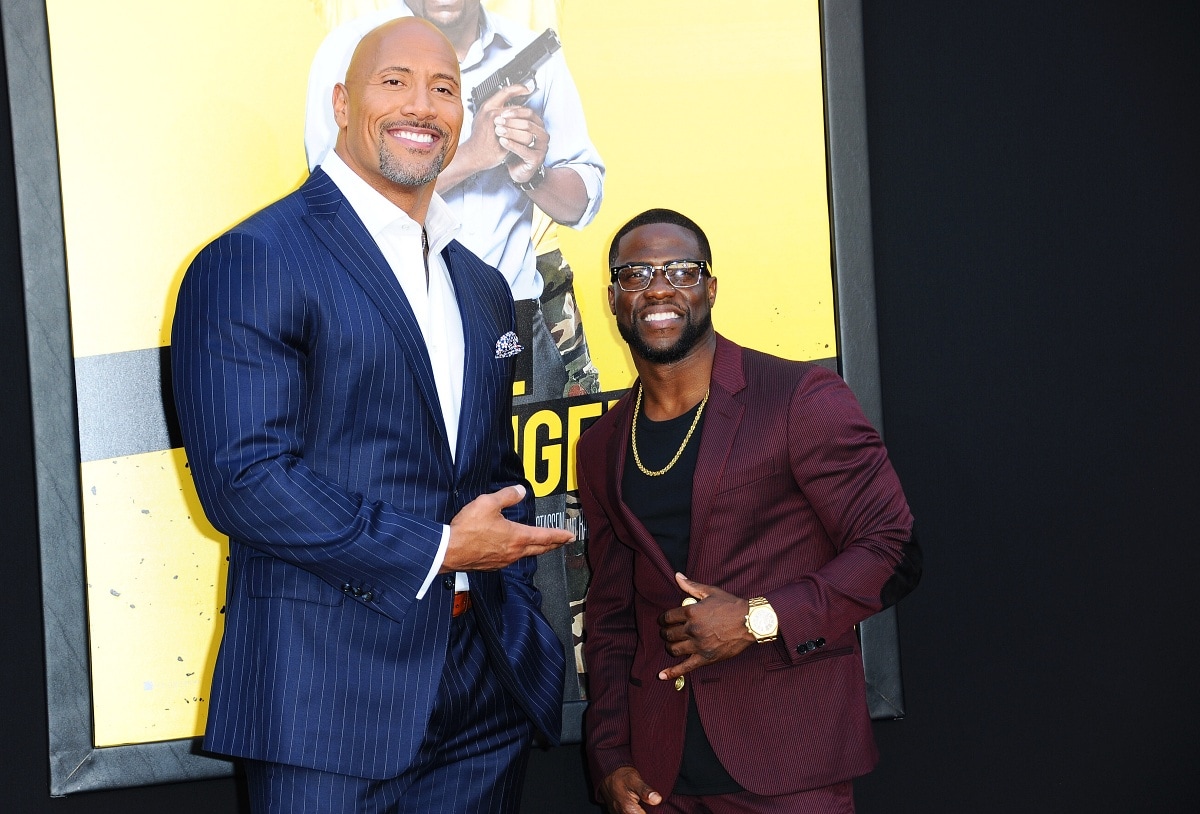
(739, 687)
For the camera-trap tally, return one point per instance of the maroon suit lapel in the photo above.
(626, 524)
(716, 441)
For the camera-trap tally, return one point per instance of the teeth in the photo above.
(660, 316)
(424, 138)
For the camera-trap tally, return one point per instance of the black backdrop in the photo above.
(1036, 205)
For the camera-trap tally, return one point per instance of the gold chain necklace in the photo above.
(637, 459)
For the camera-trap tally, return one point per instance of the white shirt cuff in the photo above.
(460, 578)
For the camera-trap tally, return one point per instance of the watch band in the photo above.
(534, 181)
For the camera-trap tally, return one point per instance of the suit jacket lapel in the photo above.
(471, 414)
(334, 221)
(716, 439)
(614, 468)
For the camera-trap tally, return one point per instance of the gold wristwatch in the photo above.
(761, 621)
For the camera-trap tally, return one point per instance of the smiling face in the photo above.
(400, 110)
(663, 324)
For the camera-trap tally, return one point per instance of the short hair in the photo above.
(652, 216)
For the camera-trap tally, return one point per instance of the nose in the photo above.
(418, 102)
(659, 288)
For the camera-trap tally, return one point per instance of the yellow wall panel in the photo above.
(156, 584)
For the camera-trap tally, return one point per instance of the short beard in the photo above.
(389, 165)
(693, 332)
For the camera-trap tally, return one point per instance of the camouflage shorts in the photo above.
(566, 323)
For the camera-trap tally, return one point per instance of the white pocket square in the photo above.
(508, 345)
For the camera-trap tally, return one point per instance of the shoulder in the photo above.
(511, 37)
(511, 32)
(760, 379)
(765, 368)
(268, 240)
(274, 220)
(597, 436)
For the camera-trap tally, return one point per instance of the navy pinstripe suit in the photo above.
(793, 499)
(314, 434)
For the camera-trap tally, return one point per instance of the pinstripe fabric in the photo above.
(471, 760)
(313, 432)
(793, 498)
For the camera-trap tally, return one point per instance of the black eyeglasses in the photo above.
(679, 273)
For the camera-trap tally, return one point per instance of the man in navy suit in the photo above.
(343, 374)
(739, 687)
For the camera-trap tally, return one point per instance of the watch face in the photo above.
(763, 621)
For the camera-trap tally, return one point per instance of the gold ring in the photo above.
(689, 600)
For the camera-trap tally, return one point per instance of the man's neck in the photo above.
(413, 201)
(670, 390)
(463, 32)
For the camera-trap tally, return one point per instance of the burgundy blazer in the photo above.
(793, 499)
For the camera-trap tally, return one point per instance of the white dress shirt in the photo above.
(399, 239)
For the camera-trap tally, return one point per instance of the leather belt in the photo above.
(462, 603)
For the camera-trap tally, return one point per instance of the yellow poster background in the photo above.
(176, 120)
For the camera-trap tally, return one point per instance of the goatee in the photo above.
(390, 166)
(693, 332)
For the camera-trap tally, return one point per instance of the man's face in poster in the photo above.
(445, 13)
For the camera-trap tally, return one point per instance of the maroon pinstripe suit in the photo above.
(794, 499)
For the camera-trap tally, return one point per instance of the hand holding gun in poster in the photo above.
(520, 71)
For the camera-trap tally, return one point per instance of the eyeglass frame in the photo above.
(705, 268)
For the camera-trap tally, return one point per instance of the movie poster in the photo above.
(177, 120)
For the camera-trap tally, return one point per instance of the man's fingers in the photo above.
(695, 590)
(508, 496)
(548, 538)
(684, 667)
(506, 95)
(624, 790)
(513, 91)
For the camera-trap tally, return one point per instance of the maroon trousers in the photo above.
(835, 799)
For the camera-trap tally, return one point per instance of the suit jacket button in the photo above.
(368, 596)
(346, 588)
(802, 649)
(448, 582)
(679, 683)
(820, 642)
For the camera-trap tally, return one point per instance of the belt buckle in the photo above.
(462, 603)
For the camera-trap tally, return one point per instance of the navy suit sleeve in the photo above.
(241, 376)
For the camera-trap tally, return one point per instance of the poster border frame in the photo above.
(75, 764)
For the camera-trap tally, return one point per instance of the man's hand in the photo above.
(482, 148)
(624, 790)
(522, 132)
(710, 630)
(483, 539)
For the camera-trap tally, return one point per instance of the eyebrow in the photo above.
(404, 69)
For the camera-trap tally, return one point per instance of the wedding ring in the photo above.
(532, 141)
(689, 600)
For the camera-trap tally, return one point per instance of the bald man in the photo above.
(343, 373)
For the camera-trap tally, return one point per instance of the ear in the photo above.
(712, 291)
(339, 105)
(612, 299)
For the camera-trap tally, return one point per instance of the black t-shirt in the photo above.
(664, 505)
